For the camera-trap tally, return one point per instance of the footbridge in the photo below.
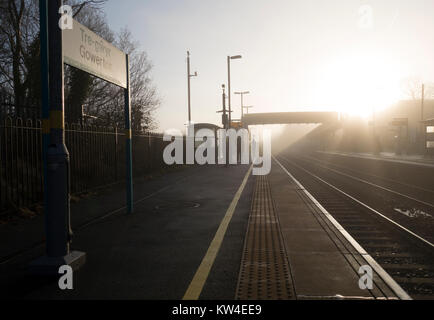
(289, 118)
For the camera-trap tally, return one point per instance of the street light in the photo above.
(189, 76)
(423, 130)
(242, 102)
(248, 107)
(229, 84)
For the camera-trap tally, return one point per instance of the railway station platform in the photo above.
(152, 254)
(207, 233)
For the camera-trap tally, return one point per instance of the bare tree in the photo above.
(106, 102)
(412, 88)
(79, 83)
(19, 47)
(18, 30)
(20, 66)
(102, 100)
(144, 98)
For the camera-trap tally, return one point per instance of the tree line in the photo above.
(88, 100)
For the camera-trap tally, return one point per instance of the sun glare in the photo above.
(360, 85)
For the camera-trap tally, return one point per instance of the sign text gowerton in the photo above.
(89, 52)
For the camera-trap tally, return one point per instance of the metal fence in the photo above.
(97, 157)
(9, 109)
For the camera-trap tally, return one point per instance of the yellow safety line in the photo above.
(195, 288)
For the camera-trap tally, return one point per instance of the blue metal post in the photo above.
(128, 145)
(45, 94)
(58, 231)
(56, 157)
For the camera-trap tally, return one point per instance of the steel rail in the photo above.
(394, 286)
(370, 175)
(396, 224)
(378, 186)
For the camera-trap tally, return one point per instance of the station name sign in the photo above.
(85, 50)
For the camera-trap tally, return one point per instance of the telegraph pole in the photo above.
(188, 81)
(229, 89)
(189, 76)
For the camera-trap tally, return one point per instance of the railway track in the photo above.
(407, 256)
(421, 193)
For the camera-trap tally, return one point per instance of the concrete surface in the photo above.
(153, 253)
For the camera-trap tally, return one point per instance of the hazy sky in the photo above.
(297, 54)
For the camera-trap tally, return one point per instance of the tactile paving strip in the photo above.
(264, 272)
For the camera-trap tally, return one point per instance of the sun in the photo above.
(361, 85)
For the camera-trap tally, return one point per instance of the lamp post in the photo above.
(423, 129)
(189, 76)
(374, 133)
(422, 102)
(242, 101)
(247, 108)
(229, 85)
